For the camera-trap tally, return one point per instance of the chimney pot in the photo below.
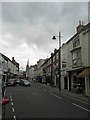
(79, 22)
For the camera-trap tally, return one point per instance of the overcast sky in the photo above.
(28, 27)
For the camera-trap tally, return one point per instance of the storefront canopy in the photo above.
(85, 73)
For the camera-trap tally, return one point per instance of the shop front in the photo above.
(85, 74)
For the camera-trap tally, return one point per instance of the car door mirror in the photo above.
(5, 101)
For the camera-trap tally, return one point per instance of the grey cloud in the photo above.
(35, 23)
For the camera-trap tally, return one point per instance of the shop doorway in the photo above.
(65, 83)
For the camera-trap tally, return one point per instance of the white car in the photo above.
(24, 82)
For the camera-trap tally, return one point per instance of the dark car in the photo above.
(11, 82)
(24, 82)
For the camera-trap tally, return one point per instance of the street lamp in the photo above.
(59, 71)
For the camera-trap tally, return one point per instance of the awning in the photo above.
(85, 73)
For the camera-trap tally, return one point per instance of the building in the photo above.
(22, 74)
(78, 58)
(31, 72)
(46, 71)
(8, 70)
(64, 84)
(38, 70)
(55, 67)
(34, 72)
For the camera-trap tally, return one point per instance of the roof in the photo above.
(85, 73)
(85, 28)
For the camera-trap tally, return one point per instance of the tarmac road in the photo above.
(38, 102)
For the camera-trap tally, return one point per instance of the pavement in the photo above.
(72, 95)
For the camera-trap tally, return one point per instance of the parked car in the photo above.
(11, 82)
(18, 82)
(24, 82)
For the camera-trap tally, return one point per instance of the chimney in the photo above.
(55, 50)
(51, 54)
(13, 59)
(80, 27)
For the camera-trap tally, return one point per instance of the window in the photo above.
(57, 64)
(76, 58)
(63, 65)
(57, 56)
(54, 59)
(76, 42)
(0, 66)
(50, 61)
(50, 69)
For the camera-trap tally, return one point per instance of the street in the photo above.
(37, 102)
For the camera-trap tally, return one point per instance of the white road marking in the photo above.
(55, 95)
(14, 117)
(81, 107)
(13, 109)
(76, 99)
(11, 103)
(44, 89)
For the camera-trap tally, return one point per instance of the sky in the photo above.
(28, 27)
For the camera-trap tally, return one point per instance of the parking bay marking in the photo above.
(11, 103)
(14, 117)
(55, 95)
(81, 107)
(13, 109)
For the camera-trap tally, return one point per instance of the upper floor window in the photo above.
(54, 59)
(50, 69)
(63, 65)
(76, 42)
(76, 58)
(57, 55)
(48, 62)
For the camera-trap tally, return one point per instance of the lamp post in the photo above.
(59, 71)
